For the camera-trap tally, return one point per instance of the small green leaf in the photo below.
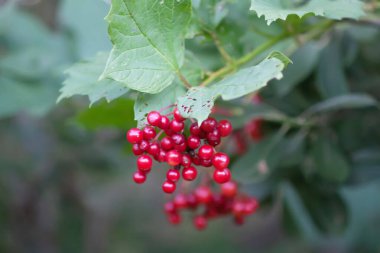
(330, 162)
(350, 101)
(151, 102)
(199, 101)
(83, 80)
(118, 114)
(148, 42)
(337, 9)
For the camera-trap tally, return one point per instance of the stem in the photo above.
(220, 48)
(184, 80)
(243, 60)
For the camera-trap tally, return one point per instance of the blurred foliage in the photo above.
(65, 169)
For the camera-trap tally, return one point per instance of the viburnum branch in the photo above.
(184, 80)
(220, 48)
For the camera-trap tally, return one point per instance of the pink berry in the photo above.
(200, 222)
(139, 177)
(229, 189)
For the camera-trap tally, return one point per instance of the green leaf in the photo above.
(151, 102)
(280, 9)
(198, 101)
(285, 60)
(148, 42)
(350, 101)
(83, 80)
(118, 114)
(330, 162)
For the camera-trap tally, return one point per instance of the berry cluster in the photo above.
(179, 151)
(207, 205)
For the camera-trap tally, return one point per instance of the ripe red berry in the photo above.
(169, 207)
(222, 176)
(144, 145)
(186, 160)
(189, 173)
(229, 189)
(200, 222)
(136, 149)
(174, 218)
(192, 202)
(206, 152)
(144, 163)
(196, 160)
(165, 123)
(251, 206)
(180, 201)
(203, 194)
(238, 208)
(172, 175)
(206, 163)
(139, 177)
(194, 129)
(149, 133)
(161, 156)
(173, 157)
(193, 142)
(154, 149)
(154, 118)
(167, 143)
(177, 115)
(209, 125)
(254, 129)
(135, 135)
(214, 138)
(225, 128)
(178, 139)
(176, 126)
(181, 148)
(239, 220)
(168, 187)
(220, 161)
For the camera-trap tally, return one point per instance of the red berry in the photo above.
(189, 173)
(206, 152)
(193, 142)
(181, 148)
(149, 133)
(222, 176)
(229, 189)
(200, 222)
(144, 163)
(174, 218)
(192, 202)
(178, 139)
(194, 129)
(144, 145)
(239, 220)
(203, 194)
(169, 207)
(254, 129)
(214, 138)
(180, 201)
(154, 149)
(225, 128)
(135, 135)
(167, 143)
(172, 175)
(186, 160)
(206, 163)
(238, 208)
(161, 156)
(139, 177)
(209, 125)
(168, 187)
(220, 161)
(154, 118)
(165, 123)
(136, 149)
(173, 157)
(196, 160)
(177, 115)
(176, 126)
(250, 206)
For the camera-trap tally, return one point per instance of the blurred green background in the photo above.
(65, 170)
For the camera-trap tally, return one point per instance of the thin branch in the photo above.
(220, 48)
(184, 80)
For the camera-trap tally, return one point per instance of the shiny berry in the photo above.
(177, 115)
(144, 163)
(178, 139)
(168, 187)
(193, 142)
(161, 157)
(209, 125)
(144, 145)
(206, 163)
(172, 175)
(220, 160)
(169, 207)
(200, 222)
(135, 135)
(176, 126)
(173, 157)
(225, 128)
(189, 173)
(251, 206)
(214, 138)
(186, 160)
(194, 129)
(154, 149)
(222, 176)
(238, 208)
(149, 133)
(139, 177)
(229, 189)
(203, 194)
(165, 123)
(136, 149)
(180, 201)
(167, 143)
(206, 152)
(154, 118)
(181, 148)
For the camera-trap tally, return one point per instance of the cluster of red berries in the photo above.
(208, 205)
(178, 150)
